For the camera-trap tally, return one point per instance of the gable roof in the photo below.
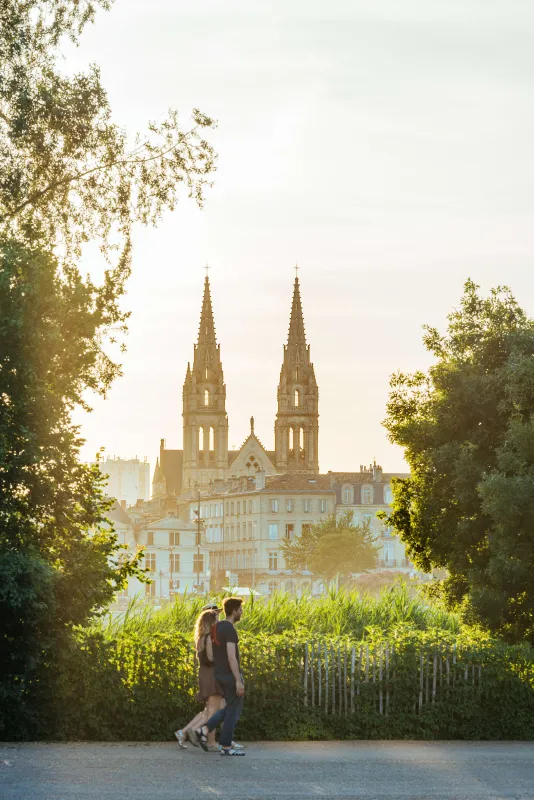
(250, 442)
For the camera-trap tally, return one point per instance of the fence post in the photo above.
(326, 679)
(352, 670)
(333, 659)
(387, 676)
(312, 674)
(434, 676)
(306, 674)
(421, 679)
(380, 691)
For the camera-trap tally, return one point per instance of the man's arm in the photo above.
(234, 666)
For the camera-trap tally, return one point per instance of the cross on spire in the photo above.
(207, 270)
(296, 271)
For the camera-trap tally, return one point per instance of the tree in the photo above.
(467, 429)
(67, 176)
(333, 548)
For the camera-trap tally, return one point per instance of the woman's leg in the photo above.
(197, 721)
(213, 705)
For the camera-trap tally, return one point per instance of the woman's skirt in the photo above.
(206, 683)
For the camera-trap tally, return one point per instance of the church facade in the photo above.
(205, 461)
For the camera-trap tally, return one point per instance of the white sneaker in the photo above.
(181, 738)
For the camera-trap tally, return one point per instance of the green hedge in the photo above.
(142, 688)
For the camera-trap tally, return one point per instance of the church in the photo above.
(205, 461)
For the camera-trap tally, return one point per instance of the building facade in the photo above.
(365, 493)
(174, 561)
(246, 519)
(128, 479)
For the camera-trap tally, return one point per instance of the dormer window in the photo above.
(367, 495)
(347, 495)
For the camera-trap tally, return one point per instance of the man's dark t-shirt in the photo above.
(224, 632)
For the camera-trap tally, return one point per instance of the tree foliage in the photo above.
(332, 548)
(67, 176)
(467, 429)
(67, 172)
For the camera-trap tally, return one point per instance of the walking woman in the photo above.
(207, 689)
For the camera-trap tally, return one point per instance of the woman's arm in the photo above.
(209, 648)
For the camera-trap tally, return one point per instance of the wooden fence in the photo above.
(336, 678)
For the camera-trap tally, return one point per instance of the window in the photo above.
(150, 562)
(227, 506)
(150, 589)
(274, 505)
(174, 562)
(388, 494)
(347, 495)
(150, 537)
(290, 505)
(367, 495)
(205, 373)
(306, 528)
(291, 439)
(307, 505)
(296, 373)
(290, 530)
(206, 397)
(212, 440)
(273, 560)
(231, 508)
(174, 584)
(238, 511)
(273, 530)
(238, 532)
(323, 506)
(198, 562)
(389, 551)
(250, 506)
(250, 530)
(174, 538)
(296, 398)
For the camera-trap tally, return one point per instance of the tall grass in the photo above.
(338, 613)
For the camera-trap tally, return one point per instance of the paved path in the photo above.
(160, 771)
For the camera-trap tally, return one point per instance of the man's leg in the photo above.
(234, 707)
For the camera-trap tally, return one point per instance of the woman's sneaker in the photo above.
(181, 738)
(237, 746)
(231, 751)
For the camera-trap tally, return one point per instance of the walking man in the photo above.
(228, 677)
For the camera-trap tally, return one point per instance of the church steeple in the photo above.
(297, 420)
(159, 486)
(204, 406)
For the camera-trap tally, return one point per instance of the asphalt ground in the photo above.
(161, 771)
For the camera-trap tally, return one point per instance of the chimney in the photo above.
(123, 504)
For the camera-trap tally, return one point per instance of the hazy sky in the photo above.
(385, 145)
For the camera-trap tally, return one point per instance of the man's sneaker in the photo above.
(237, 746)
(181, 738)
(231, 751)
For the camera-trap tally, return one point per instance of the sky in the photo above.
(384, 145)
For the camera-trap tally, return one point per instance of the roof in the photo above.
(117, 514)
(365, 477)
(171, 524)
(295, 482)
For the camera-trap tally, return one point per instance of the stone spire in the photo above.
(204, 406)
(297, 333)
(297, 419)
(159, 484)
